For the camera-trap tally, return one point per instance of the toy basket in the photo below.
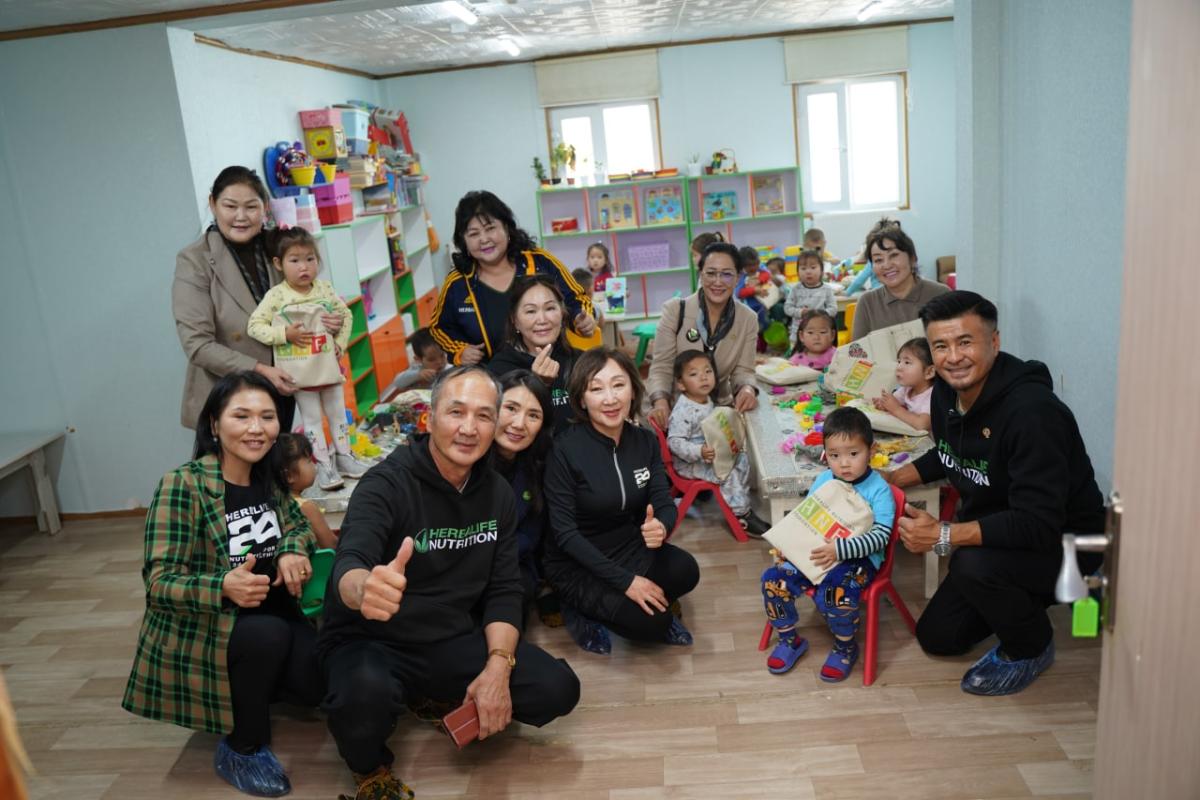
(648, 257)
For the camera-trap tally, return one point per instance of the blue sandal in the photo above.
(839, 662)
(785, 655)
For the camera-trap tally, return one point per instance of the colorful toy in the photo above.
(779, 390)
(879, 461)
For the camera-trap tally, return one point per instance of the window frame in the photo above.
(840, 87)
(596, 112)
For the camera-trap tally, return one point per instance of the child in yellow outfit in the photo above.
(294, 253)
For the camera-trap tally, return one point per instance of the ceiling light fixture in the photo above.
(510, 47)
(462, 12)
(868, 11)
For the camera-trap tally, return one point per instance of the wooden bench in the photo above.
(28, 449)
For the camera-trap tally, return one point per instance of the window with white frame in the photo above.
(853, 143)
(608, 138)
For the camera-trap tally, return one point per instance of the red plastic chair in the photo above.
(870, 599)
(688, 488)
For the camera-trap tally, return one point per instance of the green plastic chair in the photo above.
(312, 598)
(645, 334)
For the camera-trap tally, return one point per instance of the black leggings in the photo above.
(677, 573)
(371, 680)
(269, 659)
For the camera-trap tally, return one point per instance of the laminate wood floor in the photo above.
(653, 722)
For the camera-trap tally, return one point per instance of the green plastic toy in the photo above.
(1085, 618)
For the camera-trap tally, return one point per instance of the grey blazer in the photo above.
(212, 305)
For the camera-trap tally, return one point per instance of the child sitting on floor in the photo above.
(428, 361)
(810, 292)
(855, 560)
(914, 373)
(814, 340)
(296, 454)
(695, 379)
(295, 255)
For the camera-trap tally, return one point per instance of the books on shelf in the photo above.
(768, 194)
(664, 205)
(614, 209)
(719, 205)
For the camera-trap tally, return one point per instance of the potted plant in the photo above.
(563, 155)
(539, 171)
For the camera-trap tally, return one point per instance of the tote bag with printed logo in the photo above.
(834, 511)
(315, 364)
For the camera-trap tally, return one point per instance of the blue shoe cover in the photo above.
(258, 774)
(587, 633)
(677, 634)
(993, 676)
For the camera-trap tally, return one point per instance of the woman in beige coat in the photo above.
(219, 280)
(711, 320)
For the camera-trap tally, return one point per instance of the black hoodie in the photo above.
(463, 572)
(1016, 457)
(510, 358)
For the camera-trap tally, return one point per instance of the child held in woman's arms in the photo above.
(914, 372)
(695, 379)
(428, 361)
(301, 472)
(810, 292)
(855, 560)
(814, 340)
(294, 253)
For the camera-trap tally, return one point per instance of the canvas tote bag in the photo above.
(725, 432)
(834, 511)
(314, 365)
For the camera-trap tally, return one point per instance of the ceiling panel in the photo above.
(19, 14)
(382, 38)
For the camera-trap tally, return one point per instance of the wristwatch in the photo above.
(942, 548)
(507, 656)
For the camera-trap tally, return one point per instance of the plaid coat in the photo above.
(179, 671)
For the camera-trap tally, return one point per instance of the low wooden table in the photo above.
(783, 479)
(28, 449)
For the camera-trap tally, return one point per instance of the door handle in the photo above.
(1072, 586)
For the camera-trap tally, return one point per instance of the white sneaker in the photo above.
(349, 466)
(327, 477)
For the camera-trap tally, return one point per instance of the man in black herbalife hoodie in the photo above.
(425, 594)
(1013, 451)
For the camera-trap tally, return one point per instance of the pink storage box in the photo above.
(306, 213)
(283, 209)
(355, 122)
(648, 257)
(320, 118)
(333, 194)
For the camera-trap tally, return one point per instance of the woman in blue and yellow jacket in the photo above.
(472, 309)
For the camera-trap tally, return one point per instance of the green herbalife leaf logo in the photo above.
(455, 538)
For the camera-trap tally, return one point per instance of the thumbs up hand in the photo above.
(385, 585)
(243, 587)
(653, 531)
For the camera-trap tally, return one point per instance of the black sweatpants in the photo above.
(677, 573)
(990, 590)
(369, 681)
(269, 659)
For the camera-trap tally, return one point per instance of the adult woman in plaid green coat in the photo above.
(226, 556)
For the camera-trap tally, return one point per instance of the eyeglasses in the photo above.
(713, 277)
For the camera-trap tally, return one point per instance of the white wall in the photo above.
(234, 106)
(481, 128)
(1063, 78)
(94, 157)
(474, 129)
